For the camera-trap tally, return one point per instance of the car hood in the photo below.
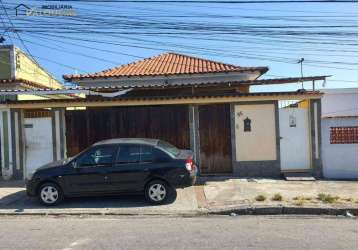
(53, 164)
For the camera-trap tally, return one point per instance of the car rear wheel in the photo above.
(50, 194)
(157, 192)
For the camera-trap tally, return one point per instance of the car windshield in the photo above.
(75, 156)
(168, 148)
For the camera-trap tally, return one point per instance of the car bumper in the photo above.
(189, 180)
(30, 187)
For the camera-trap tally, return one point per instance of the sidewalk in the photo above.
(218, 195)
(222, 193)
(11, 191)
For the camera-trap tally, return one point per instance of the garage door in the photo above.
(85, 127)
(215, 139)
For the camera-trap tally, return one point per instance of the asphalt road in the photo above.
(223, 232)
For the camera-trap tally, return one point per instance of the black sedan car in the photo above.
(115, 166)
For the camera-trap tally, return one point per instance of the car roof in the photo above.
(147, 141)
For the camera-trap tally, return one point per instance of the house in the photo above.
(340, 133)
(20, 74)
(192, 103)
(18, 71)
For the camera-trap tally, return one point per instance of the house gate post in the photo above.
(59, 133)
(12, 143)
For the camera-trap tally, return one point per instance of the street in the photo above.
(219, 232)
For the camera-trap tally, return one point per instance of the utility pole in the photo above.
(301, 62)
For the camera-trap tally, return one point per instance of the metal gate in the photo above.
(38, 137)
(294, 139)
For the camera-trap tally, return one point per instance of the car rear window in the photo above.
(167, 147)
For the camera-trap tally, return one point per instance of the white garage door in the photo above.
(38, 137)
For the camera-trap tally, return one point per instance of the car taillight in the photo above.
(189, 164)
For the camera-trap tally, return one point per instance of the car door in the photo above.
(128, 173)
(90, 173)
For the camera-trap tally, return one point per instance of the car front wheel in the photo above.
(50, 194)
(157, 192)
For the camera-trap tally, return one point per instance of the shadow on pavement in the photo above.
(19, 202)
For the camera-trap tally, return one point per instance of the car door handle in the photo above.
(146, 169)
(106, 178)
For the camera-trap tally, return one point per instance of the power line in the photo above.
(266, 35)
(22, 42)
(212, 2)
(313, 63)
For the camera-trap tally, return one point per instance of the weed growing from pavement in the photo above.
(299, 202)
(260, 197)
(277, 197)
(302, 198)
(327, 198)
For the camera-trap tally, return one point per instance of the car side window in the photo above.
(128, 153)
(100, 155)
(146, 153)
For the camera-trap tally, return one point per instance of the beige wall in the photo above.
(260, 143)
(28, 70)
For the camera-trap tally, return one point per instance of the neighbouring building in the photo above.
(19, 77)
(340, 133)
(190, 102)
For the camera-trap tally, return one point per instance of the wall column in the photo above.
(59, 133)
(12, 143)
(194, 132)
(315, 124)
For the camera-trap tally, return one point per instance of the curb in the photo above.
(285, 211)
(104, 213)
(349, 212)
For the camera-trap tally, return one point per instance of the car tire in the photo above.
(158, 192)
(50, 194)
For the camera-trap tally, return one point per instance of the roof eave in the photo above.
(164, 100)
(75, 78)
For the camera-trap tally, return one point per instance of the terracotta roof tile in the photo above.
(167, 64)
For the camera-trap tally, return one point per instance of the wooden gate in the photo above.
(85, 127)
(215, 139)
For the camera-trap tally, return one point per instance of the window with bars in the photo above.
(344, 135)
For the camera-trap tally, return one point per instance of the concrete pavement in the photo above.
(11, 191)
(216, 196)
(19, 203)
(224, 232)
(230, 192)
